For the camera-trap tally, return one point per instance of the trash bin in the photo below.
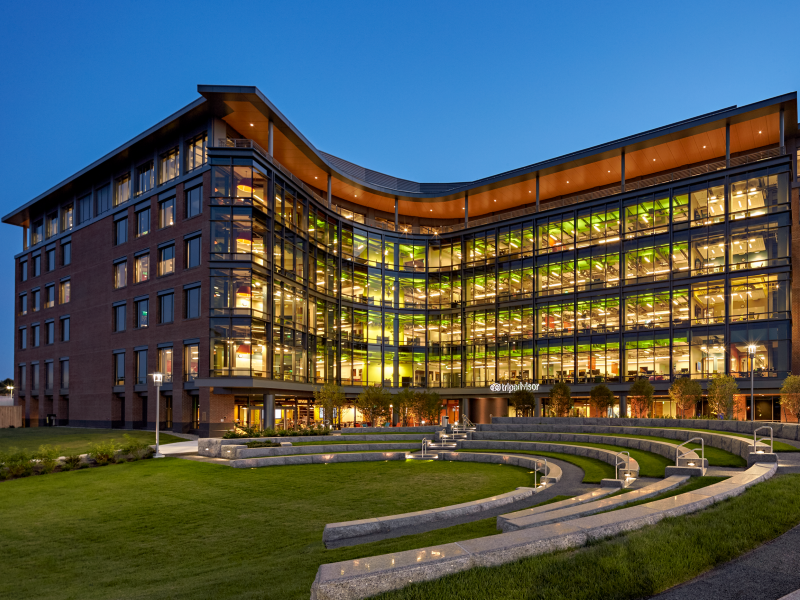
(51, 420)
(445, 421)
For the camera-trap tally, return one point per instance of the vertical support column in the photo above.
(537, 192)
(781, 132)
(622, 169)
(330, 194)
(271, 140)
(25, 240)
(269, 411)
(463, 408)
(623, 405)
(396, 215)
(537, 410)
(466, 209)
(727, 145)
(395, 417)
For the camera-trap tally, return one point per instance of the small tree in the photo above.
(331, 398)
(686, 393)
(602, 399)
(640, 395)
(721, 391)
(373, 402)
(560, 398)
(428, 407)
(404, 404)
(790, 395)
(520, 399)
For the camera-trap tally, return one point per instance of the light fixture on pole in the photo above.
(751, 350)
(10, 389)
(157, 379)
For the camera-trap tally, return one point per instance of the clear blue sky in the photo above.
(428, 91)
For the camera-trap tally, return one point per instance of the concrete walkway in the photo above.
(187, 447)
(769, 572)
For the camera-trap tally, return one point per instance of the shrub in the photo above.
(71, 461)
(135, 449)
(104, 453)
(17, 463)
(48, 457)
(263, 444)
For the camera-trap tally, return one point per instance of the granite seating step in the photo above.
(537, 510)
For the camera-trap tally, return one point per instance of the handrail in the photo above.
(757, 440)
(619, 461)
(425, 443)
(544, 473)
(679, 455)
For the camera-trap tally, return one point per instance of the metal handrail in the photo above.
(619, 461)
(425, 443)
(679, 455)
(544, 473)
(757, 440)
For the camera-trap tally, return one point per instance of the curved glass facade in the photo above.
(671, 281)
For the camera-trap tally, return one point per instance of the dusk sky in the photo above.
(419, 90)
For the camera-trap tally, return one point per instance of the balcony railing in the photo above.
(630, 186)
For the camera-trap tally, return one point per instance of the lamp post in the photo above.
(751, 350)
(157, 379)
(10, 389)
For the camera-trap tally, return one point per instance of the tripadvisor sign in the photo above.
(513, 387)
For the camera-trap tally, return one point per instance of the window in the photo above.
(141, 313)
(119, 369)
(166, 213)
(143, 222)
(144, 178)
(193, 303)
(65, 293)
(35, 376)
(37, 266)
(35, 299)
(48, 375)
(759, 297)
(50, 258)
(23, 304)
(141, 271)
(165, 363)
(196, 152)
(52, 225)
(191, 362)
(66, 218)
(49, 296)
(166, 308)
(168, 166)
(23, 338)
(141, 367)
(50, 332)
(64, 329)
(37, 232)
(84, 206)
(103, 200)
(119, 318)
(122, 190)
(66, 254)
(763, 245)
(192, 252)
(35, 335)
(121, 228)
(166, 260)
(22, 378)
(23, 270)
(64, 374)
(120, 274)
(194, 201)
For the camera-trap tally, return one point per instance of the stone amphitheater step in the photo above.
(569, 502)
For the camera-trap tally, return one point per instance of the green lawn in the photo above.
(637, 564)
(594, 470)
(180, 529)
(777, 446)
(73, 440)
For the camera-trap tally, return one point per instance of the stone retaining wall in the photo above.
(245, 452)
(308, 459)
(213, 447)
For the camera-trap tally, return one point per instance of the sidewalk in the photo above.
(187, 447)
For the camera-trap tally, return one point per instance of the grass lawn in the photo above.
(593, 470)
(73, 440)
(637, 564)
(180, 529)
(777, 446)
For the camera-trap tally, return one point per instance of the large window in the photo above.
(23, 338)
(555, 320)
(191, 362)
(145, 176)
(119, 368)
(141, 367)
(235, 231)
(708, 303)
(143, 222)
(759, 297)
(755, 194)
(555, 234)
(119, 318)
(142, 313)
(35, 300)
(765, 244)
(49, 296)
(555, 361)
(67, 218)
(122, 190)
(103, 195)
(50, 257)
(649, 260)
(192, 303)
(66, 254)
(194, 201)
(707, 352)
(647, 355)
(23, 304)
(192, 252)
(37, 232)
(196, 152)
(64, 364)
(50, 332)
(166, 213)
(166, 260)
(35, 339)
(166, 308)
(165, 364)
(64, 329)
(707, 203)
(168, 166)
(120, 274)
(599, 225)
(599, 271)
(65, 292)
(555, 276)
(84, 208)
(121, 231)
(707, 251)
(772, 346)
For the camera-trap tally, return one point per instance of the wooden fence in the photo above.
(10, 416)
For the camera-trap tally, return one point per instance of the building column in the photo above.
(463, 408)
(537, 192)
(268, 418)
(395, 417)
(622, 169)
(727, 145)
(396, 215)
(781, 132)
(330, 194)
(466, 209)
(271, 138)
(537, 410)
(623, 405)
